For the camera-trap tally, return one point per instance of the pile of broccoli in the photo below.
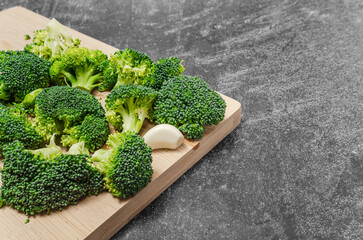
(47, 102)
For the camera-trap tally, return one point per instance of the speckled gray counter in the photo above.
(293, 169)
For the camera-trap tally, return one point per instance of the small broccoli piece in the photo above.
(126, 166)
(127, 106)
(21, 72)
(126, 67)
(80, 67)
(189, 104)
(163, 70)
(74, 114)
(34, 182)
(14, 125)
(50, 43)
(93, 131)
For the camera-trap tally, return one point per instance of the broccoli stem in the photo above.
(50, 151)
(131, 122)
(29, 99)
(78, 148)
(124, 80)
(69, 76)
(86, 79)
(102, 157)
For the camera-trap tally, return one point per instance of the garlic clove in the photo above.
(164, 136)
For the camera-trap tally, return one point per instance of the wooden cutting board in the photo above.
(100, 217)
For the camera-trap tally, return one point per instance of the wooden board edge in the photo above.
(111, 226)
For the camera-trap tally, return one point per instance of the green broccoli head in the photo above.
(127, 106)
(163, 70)
(21, 72)
(189, 104)
(37, 182)
(93, 131)
(14, 125)
(126, 166)
(50, 43)
(73, 113)
(126, 67)
(81, 67)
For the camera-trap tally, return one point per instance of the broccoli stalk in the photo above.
(50, 151)
(127, 106)
(131, 115)
(78, 148)
(59, 38)
(84, 77)
(29, 99)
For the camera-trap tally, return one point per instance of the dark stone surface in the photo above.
(294, 168)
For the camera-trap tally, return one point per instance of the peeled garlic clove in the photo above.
(164, 136)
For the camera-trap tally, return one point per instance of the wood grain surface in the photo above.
(100, 217)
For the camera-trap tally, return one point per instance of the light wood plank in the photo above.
(100, 217)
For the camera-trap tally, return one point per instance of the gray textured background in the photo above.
(293, 168)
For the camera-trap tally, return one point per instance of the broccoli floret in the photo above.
(127, 106)
(45, 180)
(73, 113)
(189, 104)
(14, 125)
(163, 70)
(50, 43)
(80, 67)
(126, 166)
(21, 72)
(93, 131)
(126, 67)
